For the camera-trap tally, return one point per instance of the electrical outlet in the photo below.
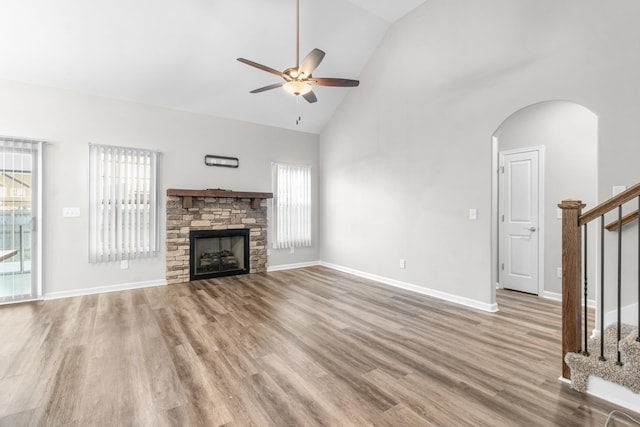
(473, 214)
(559, 272)
(403, 264)
(124, 264)
(559, 213)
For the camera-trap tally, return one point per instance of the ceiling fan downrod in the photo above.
(297, 34)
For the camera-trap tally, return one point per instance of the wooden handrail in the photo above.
(604, 207)
(613, 226)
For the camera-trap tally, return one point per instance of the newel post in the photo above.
(571, 255)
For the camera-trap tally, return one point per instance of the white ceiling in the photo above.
(182, 54)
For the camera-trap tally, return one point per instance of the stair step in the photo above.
(627, 375)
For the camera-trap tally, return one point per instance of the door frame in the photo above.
(500, 208)
(39, 219)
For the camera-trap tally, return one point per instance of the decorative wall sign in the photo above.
(227, 162)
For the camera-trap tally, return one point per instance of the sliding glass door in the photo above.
(20, 217)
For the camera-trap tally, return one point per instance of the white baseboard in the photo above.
(292, 266)
(558, 297)
(551, 295)
(614, 393)
(492, 308)
(102, 289)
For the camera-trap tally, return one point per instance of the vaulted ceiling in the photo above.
(182, 54)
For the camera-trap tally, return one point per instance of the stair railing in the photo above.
(574, 226)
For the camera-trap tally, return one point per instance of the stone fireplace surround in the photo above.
(214, 210)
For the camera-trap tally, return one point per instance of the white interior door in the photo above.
(519, 220)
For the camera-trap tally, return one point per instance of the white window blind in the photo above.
(292, 205)
(123, 211)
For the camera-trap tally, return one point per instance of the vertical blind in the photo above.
(292, 205)
(123, 211)
(20, 219)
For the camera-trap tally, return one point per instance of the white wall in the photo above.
(569, 134)
(409, 152)
(69, 121)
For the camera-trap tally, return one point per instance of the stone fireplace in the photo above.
(226, 215)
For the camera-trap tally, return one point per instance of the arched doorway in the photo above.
(566, 137)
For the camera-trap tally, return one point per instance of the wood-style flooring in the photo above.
(304, 347)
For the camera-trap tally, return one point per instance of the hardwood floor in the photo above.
(294, 348)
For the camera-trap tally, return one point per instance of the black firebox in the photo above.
(218, 253)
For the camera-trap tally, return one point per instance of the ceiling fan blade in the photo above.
(328, 81)
(310, 62)
(310, 97)
(260, 66)
(265, 88)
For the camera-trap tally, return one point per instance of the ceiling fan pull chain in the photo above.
(299, 119)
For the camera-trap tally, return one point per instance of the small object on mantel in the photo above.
(188, 195)
(218, 189)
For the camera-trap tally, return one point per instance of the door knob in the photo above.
(530, 228)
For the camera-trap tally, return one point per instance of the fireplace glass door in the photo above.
(217, 253)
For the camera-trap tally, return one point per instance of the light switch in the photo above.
(559, 213)
(70, 212)
(473, 214)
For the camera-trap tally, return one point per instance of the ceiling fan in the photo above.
(298, 80)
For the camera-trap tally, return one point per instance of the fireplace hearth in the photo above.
(218, 253)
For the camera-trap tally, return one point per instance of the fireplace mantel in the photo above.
(188, 195)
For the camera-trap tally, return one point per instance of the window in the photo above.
(292, 205)
(123, 212)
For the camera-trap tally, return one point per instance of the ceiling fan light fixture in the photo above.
(296, 87)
